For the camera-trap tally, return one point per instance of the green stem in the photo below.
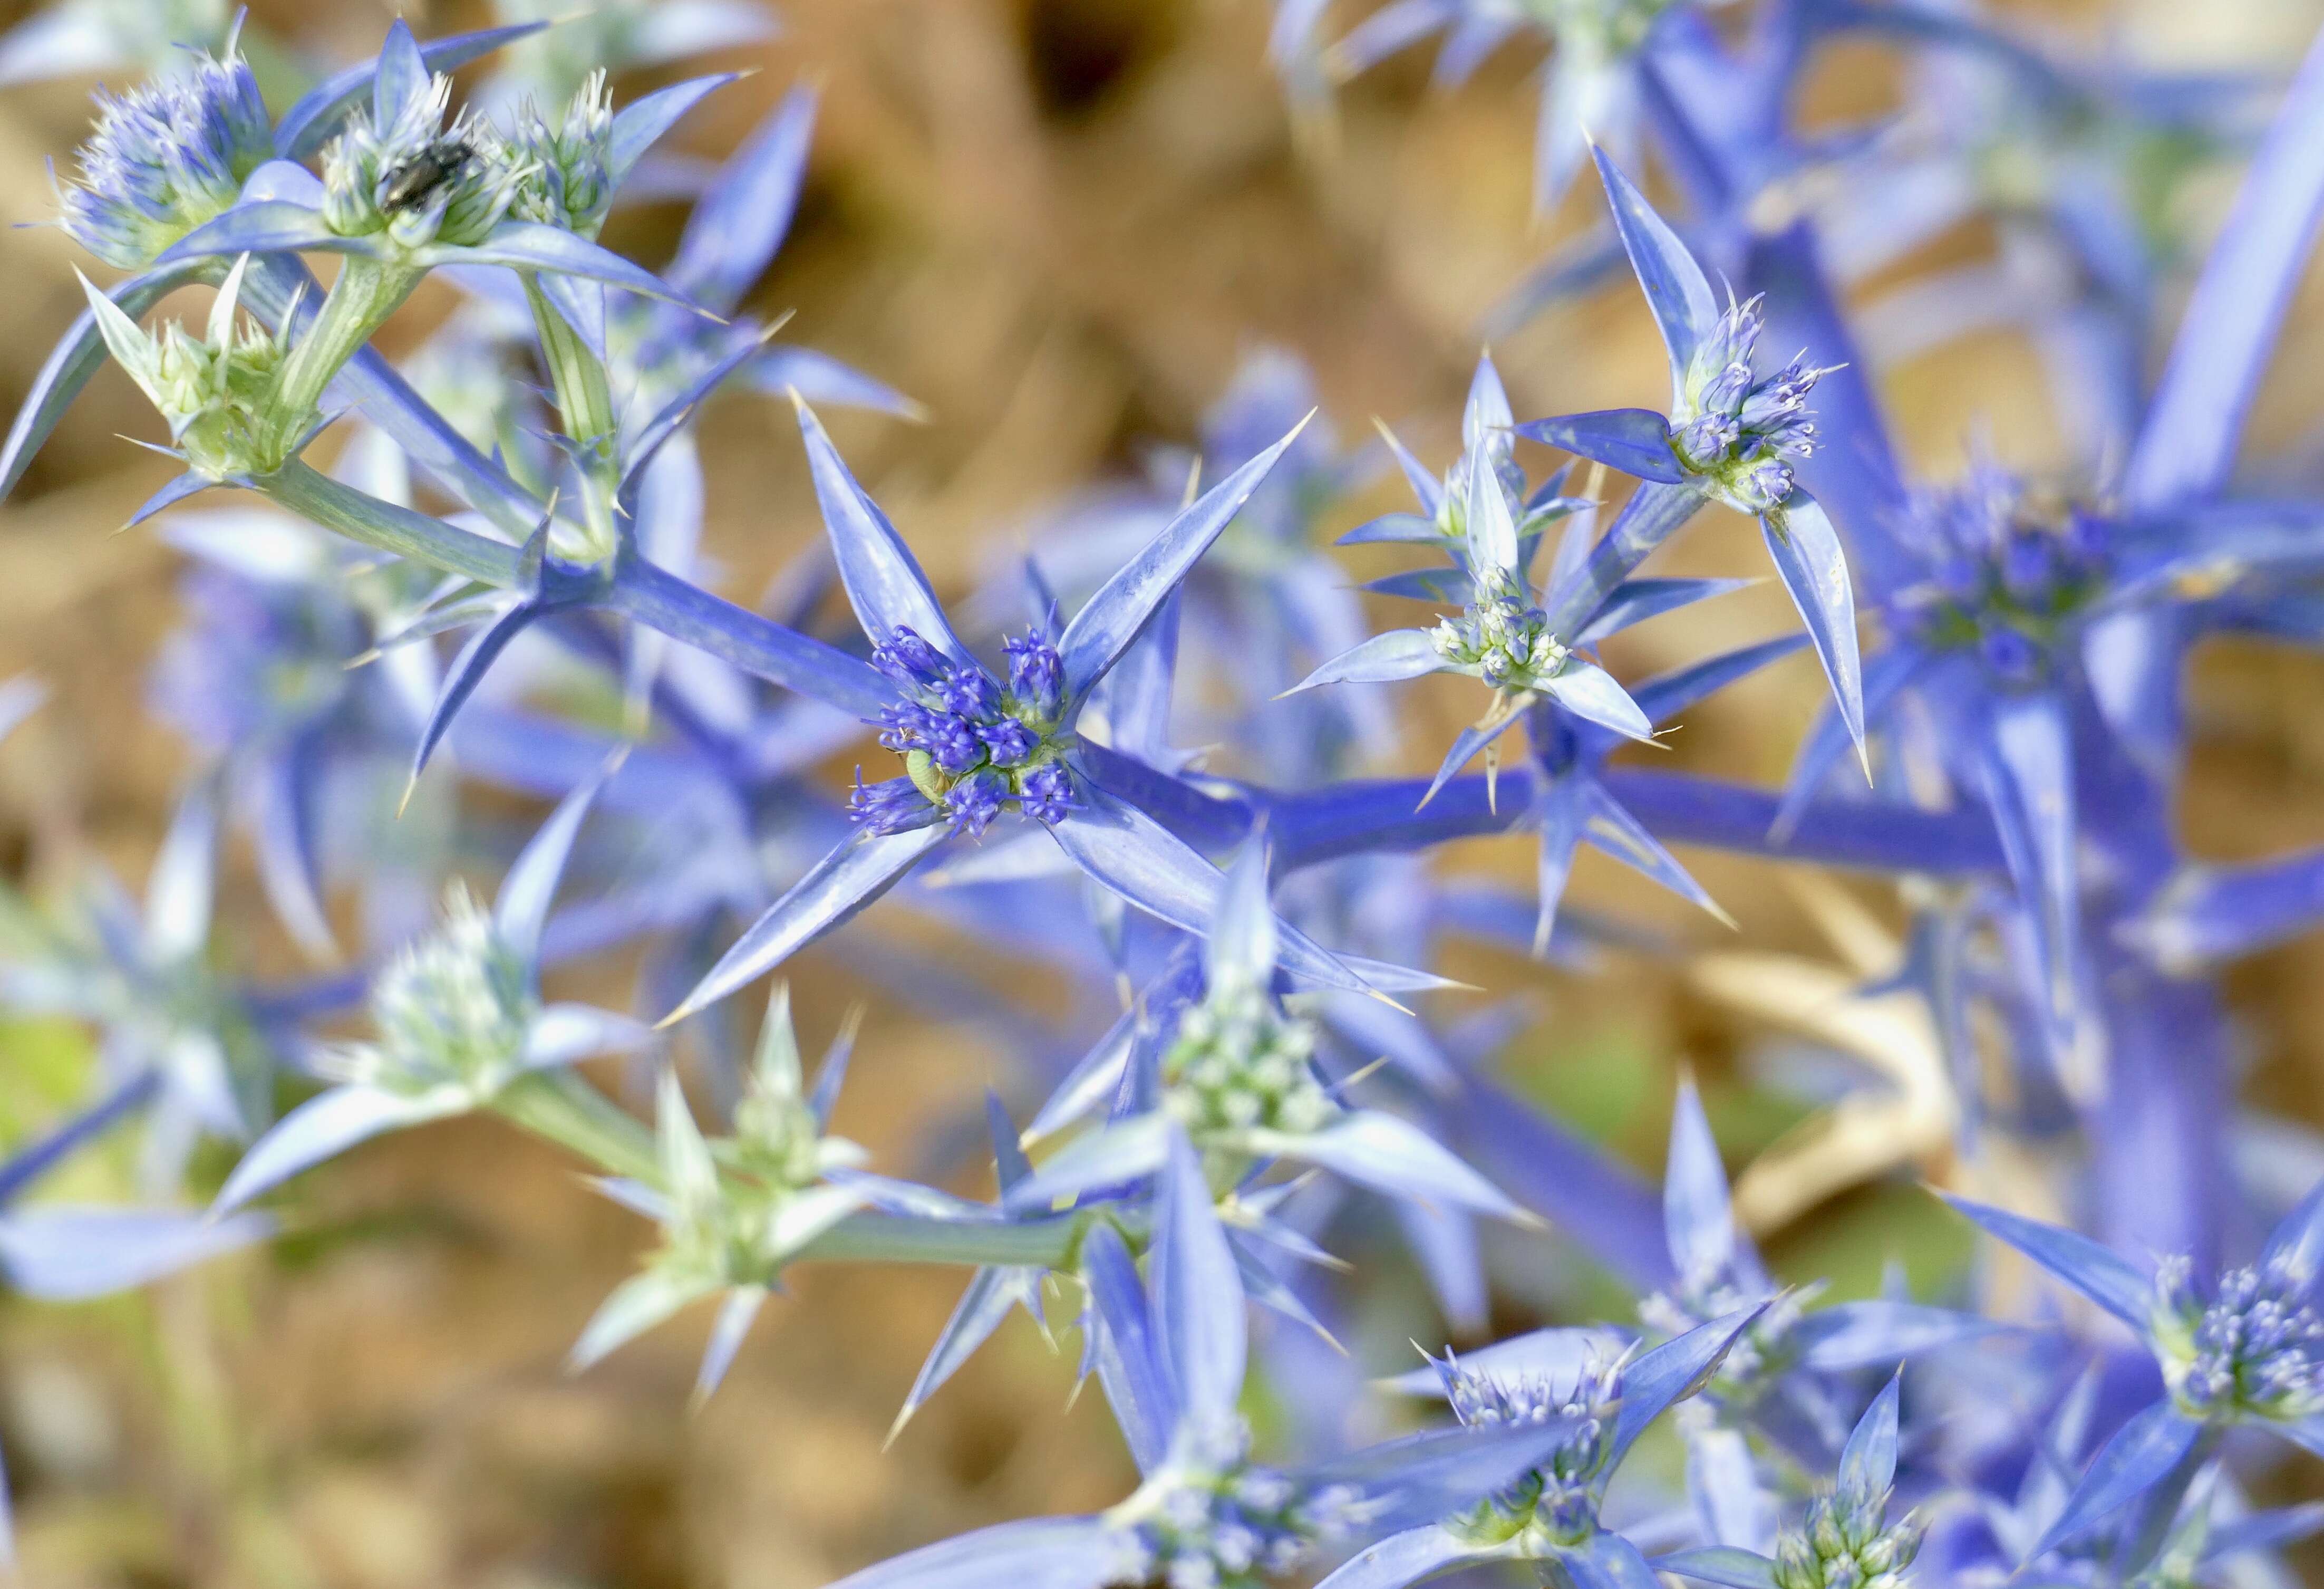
(367, 291)
(586, 400)
(392, 529)
(567, 1110)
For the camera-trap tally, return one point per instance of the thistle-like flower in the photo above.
(2009, 576)
(569, 185)
(1559, 1497)
(415, 180)
(1213, 1518)
(214, 393)
(972, 746)
(1845, 1541)
(2253, 1347)
(1735, 429)
(166, 156)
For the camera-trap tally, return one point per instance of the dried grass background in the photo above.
(1058, 223)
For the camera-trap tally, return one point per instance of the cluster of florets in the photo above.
(1762, 1349)
(2256, 1346)
(1239, 1063)
(1215, 1520)
(2008, 574)
(1503, 639)
(1736, 430)
(167, 156)
(569, 187)
(454, 1008)
(1844, 1543)
(215, 391)
(1560, 1496)
(971, 748)
(419, 182)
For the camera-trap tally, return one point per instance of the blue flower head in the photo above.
(972, 749)
(1215, 1520)
(166, 156)
(2253, 1346)
(1560, 1496)
(2009, 575)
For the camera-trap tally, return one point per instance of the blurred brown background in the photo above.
(1058, 223)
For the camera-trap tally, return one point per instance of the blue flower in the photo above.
(166, 157)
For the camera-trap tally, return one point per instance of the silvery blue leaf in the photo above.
(177, 491)
(1129, 1358)
(1604, 1561)
(325, 1126)
(1244, 936)
(270, 225)
(563, 1032)
(64, 1253)
(1612, 828)
(1695, 1207)
(1394, 530)
(475, 658)
(1665, 694)
(580, 303)
(180, 888)
(1589, 691)
(2029, 777)
(992, 1292)
(883, 579)
(1868, 1334)
(1672, 1372)
(1492, 531)
(1426, 489)
(1123, 1150)
(1137, 858)
(521, 907)
(62, 41)
(1808, 558)
(1109, 620)
(2195, 421)
(1393, 1157)
(1423, 1478)
(1634, 601)
(1722, 1565)
(637, 1305)
(1868, 1464)
(2143, 1453)
(1731, 1506)
(1635, 441)
(1036, 1553)
(399, 78)
(1408, 1558)
(2296, 1245)
(735, 1316)
(2096, 1272)
(1677, 290)
(863, 867)
(1400, 653)
(1196, 1291)
(739, 223)
(639, 124)
(1393, 27)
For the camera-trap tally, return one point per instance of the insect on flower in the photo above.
(408, 185)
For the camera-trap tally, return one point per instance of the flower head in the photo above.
(1239, 1063)
(1842, 1544)
(454, 1008)
(1560, 1495)
(971, 747)
(2008, 573)
(1215, 1520)
(1502, 638)
(418, 181)
(2253, 1347)
(214, 392)
(570, 186)
(1734, 427)
(166, 156)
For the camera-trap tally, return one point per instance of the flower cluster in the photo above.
(219, 393)
(1217, 1519)
(418, 181)
(569, 185)
(1740, 430)
(167, 156)
(1560, 1495)
(2256, 1346)
(1845, 1542)
(453, 1009)
(971, 747)
(1503, 639)
(2008, 574)
(1238, 1061)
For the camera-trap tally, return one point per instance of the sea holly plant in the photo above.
(975, 747)
(728, 1230)
(1234, 1071)
(461, 1027)
(2243, 1349)
(1734, 436)
(1600, 1402)
(1169, 1349)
